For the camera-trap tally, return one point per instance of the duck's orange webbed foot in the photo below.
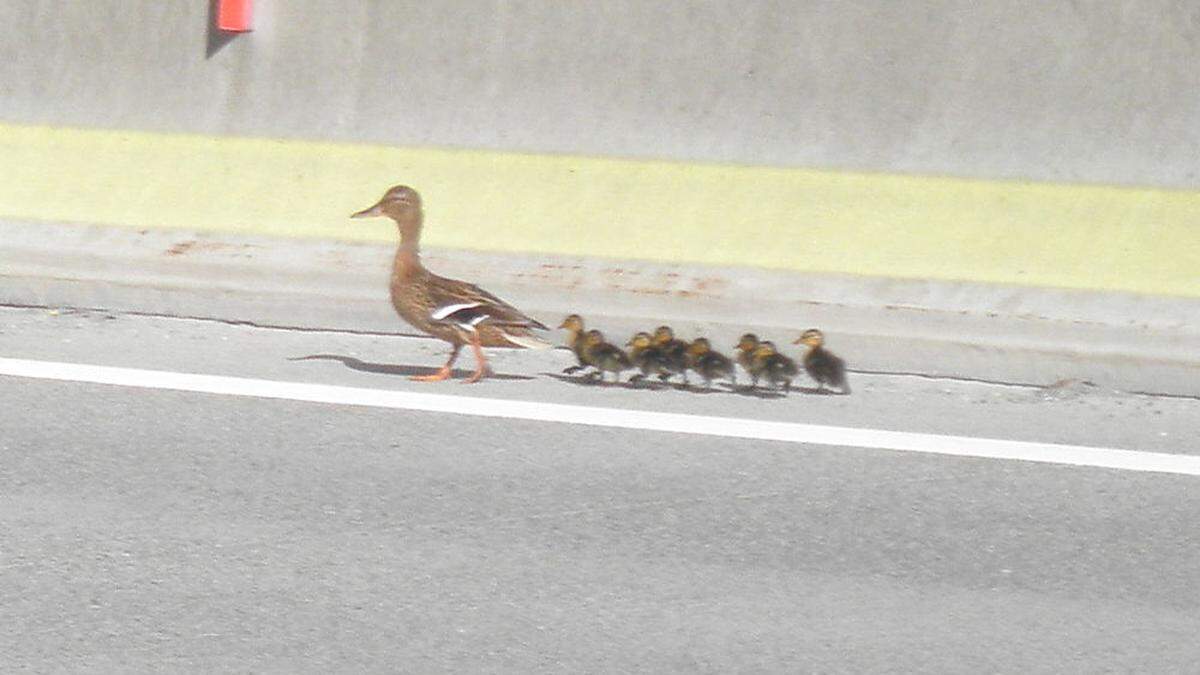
(443, 373)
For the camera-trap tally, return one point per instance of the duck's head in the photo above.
(663, 335)
(593, 337)
(764, 349)
(747, 343)
(811, 337)
(640, 341)
(573, 322)
(699, 347)
(400, 203)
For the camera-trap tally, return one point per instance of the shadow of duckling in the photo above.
(396, 369)
(592, 380)
(655, 385)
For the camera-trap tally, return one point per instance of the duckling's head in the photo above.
(574, 322)
(811, 337)
(640, 341)
(663, 335)
(764, 349)
(699, 347)
(593, 337)
(747, 343)
(400, 203)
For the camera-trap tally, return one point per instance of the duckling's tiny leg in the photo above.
(444, 372)
(481, 364)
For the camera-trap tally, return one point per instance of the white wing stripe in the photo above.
(442, 312)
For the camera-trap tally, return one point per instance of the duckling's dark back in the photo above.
(713, 365)
(651, 360)
(779, 367)
(608, 357)
(826, 368)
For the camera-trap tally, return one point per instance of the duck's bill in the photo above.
(371, 212)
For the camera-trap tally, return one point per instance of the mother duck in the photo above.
(455, 311)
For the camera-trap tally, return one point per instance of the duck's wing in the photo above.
(464, 303)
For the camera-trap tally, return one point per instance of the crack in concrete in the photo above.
(242, 323)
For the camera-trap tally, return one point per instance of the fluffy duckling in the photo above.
(709, 364)
(769, 363)
(573, 324)
(745, 350)
(675, 351)
(647, 357)
(602, 356)
(821, 364)
(458, 312)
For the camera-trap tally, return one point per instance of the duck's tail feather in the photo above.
(527, 341)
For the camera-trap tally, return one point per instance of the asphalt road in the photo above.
(161, 530)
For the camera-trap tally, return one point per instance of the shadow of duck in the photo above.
(395, 369)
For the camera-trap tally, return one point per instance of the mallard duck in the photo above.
(675, 350)
(769, 363)
(647, 357)
(821, 364)
(604, 357)
(455, 311)
(573, 324)
(709, 364)
(745, 350)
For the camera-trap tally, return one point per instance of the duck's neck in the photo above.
(408, 256)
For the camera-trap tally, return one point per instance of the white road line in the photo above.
(731, 427)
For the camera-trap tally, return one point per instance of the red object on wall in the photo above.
(235, 15)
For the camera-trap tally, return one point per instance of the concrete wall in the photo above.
(1052, 90)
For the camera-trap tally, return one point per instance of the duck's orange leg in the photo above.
(444, 372)
(481, 364)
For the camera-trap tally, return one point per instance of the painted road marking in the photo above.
(731, 427)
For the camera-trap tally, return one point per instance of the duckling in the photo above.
(448, 309)
(574, 327)
(709, 364)
(675, 350)
(769, 363)
(745, 350)
(821, 364)
(604, 357)
(647, 357)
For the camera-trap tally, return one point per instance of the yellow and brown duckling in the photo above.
(767, 362)
(821, 364)
(647, 357)
(573, 324)
(745, 350)
(458, 312)
(675, 351)
(709, 364)
(604, 357)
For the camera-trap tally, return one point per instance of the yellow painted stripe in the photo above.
(1074, 236)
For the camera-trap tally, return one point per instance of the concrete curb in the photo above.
(1087, 237)
(1003, 334)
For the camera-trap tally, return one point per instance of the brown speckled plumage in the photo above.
(456, 311)
(417, 292)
